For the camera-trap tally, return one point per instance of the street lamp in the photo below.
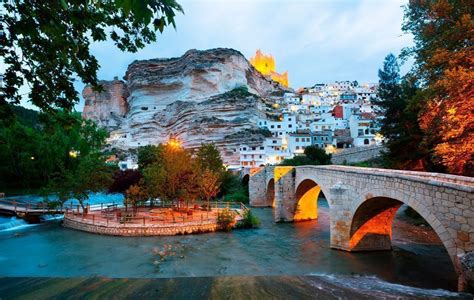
(73, 153)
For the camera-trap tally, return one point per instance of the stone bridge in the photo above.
(363, 202)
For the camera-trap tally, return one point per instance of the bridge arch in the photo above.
(306, 200)
(270, 193)
(373, 214)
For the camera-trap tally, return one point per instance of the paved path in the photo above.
(231, 287)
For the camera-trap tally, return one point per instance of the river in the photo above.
(48, 249)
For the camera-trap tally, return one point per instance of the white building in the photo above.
(128, 164)
(363, 130)
(297, 142)
(326, 122)
(272, 151)
(280, 128)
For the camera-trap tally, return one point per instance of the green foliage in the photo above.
(42, 157)
(317, 155)
(232, 188)
(239, 196)
(249, 220)
(209, 158)
(47, 43)
(71, 157)
(173, 176)
(148, 155)
(226, 219)
(26, 117)
(312, 156)
(398, 102)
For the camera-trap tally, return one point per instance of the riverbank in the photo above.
(227, 287)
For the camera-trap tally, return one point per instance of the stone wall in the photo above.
(140, 230)
(357, 154)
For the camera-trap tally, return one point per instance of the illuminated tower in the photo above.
(265, 64)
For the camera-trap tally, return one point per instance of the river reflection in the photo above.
(274, 249)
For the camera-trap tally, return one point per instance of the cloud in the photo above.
(315, 41)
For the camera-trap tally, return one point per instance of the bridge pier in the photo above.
(284, 194)
(340, 217)
(258, 183)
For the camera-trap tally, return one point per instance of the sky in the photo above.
(314, 40)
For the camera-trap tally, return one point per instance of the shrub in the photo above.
(249, 220)
(237, 197)
(226, 219)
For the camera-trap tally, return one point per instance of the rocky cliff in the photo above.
(203, 96)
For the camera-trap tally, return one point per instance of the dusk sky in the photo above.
(315, 41)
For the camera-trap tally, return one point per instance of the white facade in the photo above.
(280, 128)
(272, 151)
(128, 164)
(297, 142)
(363, 131)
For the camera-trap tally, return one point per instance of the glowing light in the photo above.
(265, 64)
(174, 143)
(330, 149)
(73, 153)
(32, 158)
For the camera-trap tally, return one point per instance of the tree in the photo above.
(442, 53)
(209, 158)
(317, 155)
(209, 185)
(312, 156)
(134, 195)
(148, 155)
(70, 153)
(91, 175)
(397, 103)
(123, 179)
(172, 177)
(46, 44)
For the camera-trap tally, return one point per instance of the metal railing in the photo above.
(116, 215)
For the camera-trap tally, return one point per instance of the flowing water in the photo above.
(48, 249)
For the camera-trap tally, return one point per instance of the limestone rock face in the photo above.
(109, 107)
(203, 96)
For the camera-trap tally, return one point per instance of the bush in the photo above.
(249, 220)
(226, 219)
(237, 197)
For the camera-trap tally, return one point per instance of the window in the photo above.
(297, 140)
(272, 126)
(366, 141)
(244, 148)
(245, 155)
(274, 141)
(360, 132)
(261, 148)
(281, 133)
(253, 148)
(259, 156)
(367, 131)
(289, 126)
(289, 119)
(297, 147)
(278, 126)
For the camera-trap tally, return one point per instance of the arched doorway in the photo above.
(306, 204)
(271, 193)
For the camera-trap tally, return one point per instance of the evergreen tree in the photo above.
(398, 104)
